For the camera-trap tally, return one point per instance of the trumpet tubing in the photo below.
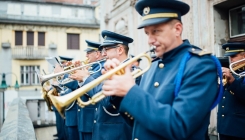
(62, 102)
(45, 78)
(236, 66)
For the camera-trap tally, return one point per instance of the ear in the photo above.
(120, 50)
(178, 28)
(97, 55)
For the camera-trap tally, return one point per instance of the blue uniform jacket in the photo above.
(157, 113)
(109, 123)
(86, 114)
(71, 113)
(231, 112)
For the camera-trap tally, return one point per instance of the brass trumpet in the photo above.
(45, 78)
(62, 102)
(73, 65)
(237, 66)
(234, 67)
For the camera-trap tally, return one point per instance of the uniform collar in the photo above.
(124, 60)
(180, 49)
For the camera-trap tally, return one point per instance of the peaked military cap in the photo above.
(92, 46)
(64, 58)
(111, 38)
(160, 11)
(233, 48)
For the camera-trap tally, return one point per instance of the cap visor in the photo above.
(153, 21)
(88, 50)
(231, 53)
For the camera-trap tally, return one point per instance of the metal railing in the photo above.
(29, 52)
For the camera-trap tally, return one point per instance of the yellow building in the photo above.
(30, 34)
(31, 31)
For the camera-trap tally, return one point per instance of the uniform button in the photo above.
(94, 121)
(78, 110)
(156, 84)
(95, 109)
(131, 118)
(161, 65)
(114, 107)
(136, 139)
(223, 115)
(126, 113)
(224, 97)
(223, 106)
(232, 92)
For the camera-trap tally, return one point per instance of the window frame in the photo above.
(70, 40)
(21, 38)
(239, 35)
(27, 41)
(29, 72)
(38, 39)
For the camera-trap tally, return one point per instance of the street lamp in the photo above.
(4, 86)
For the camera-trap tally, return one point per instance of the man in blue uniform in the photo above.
(231, 112)
(176, 95)
(109, 124)
(85, 115)
(61, 122)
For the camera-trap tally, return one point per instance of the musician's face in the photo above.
(165, 36)
(92, 56)
(110, 52)
(237, 57)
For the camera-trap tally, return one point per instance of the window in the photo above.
(73, 41)
(237, 21)
(30, 38)
(18, 37)
(28, 75)
(41, 39)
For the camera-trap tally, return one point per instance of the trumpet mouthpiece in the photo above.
(153, 48)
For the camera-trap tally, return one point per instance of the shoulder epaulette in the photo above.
(198, 51)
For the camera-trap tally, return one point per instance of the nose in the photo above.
(151, 40)
(103, 53)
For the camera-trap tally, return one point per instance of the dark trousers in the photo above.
(60, 125)
(85, 136)
(206, 135)
(72, 133)
(225, 137)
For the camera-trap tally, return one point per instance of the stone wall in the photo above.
(17, 124)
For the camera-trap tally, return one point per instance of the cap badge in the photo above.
(105, 37)
(146, 10)
(227, 48)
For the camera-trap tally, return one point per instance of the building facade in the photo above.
(30, 31)
(208, 25)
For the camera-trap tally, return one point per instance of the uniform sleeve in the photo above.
(179, 119)
(106, 101)
(237, 88)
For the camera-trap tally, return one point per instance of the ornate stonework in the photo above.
(132, 2)
(121, 26)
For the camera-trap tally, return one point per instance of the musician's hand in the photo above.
(68, 63)
(228, 75)
(118, 85)
(58, 68)
(79, 75)
(77, 63)
(110, 64)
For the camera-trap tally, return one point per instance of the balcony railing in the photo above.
(29, 52)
